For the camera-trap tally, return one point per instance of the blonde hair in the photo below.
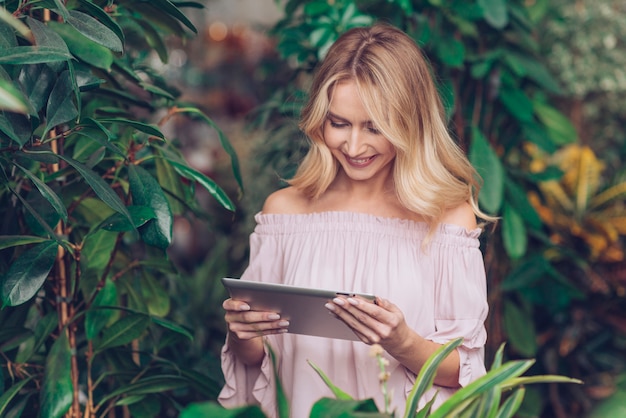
(431, 173)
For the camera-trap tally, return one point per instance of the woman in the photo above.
(383, 203)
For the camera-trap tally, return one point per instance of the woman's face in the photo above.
(361, 150)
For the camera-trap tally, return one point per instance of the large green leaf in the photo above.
(226, 145)
(118, 223)
(44, 36)
(97, 318)
(146, 191)
(451, 51)
(481, 385)
(520, 328)
(147, 128)
(8, 241)
(157, 298)
(169, 8)
(526, 273)
(61, 107)
(10, 393)
(16, 127)
(560, 128)
(83, 48)
(57, 389)
(27, 273)
(206, 182)
(12, 99)
(512, 404)
(32, 55)
(9, 25)
(99, 186)
(516, 196)
(148, 385)
(517, 102)
(514, 234)
(104, 17)
(171, 182)
(12, 337)
(490, 169)
(122, 332)
(329, 407)
(213, 409)
(45, 326)
(426, 376)
(94, 30)
(495, 12)
(96, 132)
(46, 192)
(97, 249)
(533, 69)
(37, 82)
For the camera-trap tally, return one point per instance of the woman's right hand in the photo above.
(245, 324)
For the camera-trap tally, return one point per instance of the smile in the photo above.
(360, 161)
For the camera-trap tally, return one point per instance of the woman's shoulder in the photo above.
(286, 201)
(462, 215)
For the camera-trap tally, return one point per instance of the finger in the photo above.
(354, 319)
(235, 305)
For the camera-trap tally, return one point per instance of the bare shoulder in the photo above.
(462, 215)
(285, 201)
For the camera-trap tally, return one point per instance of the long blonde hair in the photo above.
(431, 173)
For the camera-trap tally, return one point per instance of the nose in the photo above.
(354, 143)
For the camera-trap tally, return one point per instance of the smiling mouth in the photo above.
(360, 161)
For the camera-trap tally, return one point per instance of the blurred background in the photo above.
(534, 92)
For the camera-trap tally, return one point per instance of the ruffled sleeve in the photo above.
(245, 385)
(461, 301)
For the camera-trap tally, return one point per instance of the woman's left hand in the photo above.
(374, 323)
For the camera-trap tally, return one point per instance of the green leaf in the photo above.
(451, 51)
(61, 107)
(117, 222)
(210, 185)
(559, 127)
(534, 70)
(337, 392)
(57, 389)
(512, 404)
(149, 129)
(46, 192)
(282, 404)
(514, 234)
(94, 30)
(172, 326)
(520, 328)
(172, 184)
(103, 17)
(97, 249)
(10, 393)
(169, 8)
(44, 36)
(12, 99)
(516, 101)
(99, 186)
(122, 332)
(96, 132)
(226, 145)
(12, 25)
(148, 385)
(8, 241)
(60, 9)
(155, 295)
(16, 127)
(213, 409)
(38, 81)
(12, 337)
(426, 376)
(32, 55)
(490, 168)
(526, 274)
(27, 273)
(97, 318)
(154, 39)
(328, 407)
(83, 48)
(146, 191)
(495, 12)
(45, 326)
(516, 196)
(481, 385)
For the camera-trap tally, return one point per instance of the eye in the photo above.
(337, 124)
(373, 130)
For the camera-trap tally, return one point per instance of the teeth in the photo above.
(360, 161)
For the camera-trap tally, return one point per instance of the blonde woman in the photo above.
(383, 203)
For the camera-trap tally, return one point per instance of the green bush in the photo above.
(89, 190)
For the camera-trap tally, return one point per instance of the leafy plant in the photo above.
(89, 187)
(481, 398)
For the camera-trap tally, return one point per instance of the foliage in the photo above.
(481, 398)
(502, 106)
(89, 187)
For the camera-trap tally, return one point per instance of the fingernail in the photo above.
(273, 317)
(353, 301)
(330, 307)
(244, 307)
(339, 302)
(283, 324)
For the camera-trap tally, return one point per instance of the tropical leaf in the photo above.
(57, 390)
(122, 332)
(490, 169)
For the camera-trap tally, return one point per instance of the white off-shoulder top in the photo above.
(440, 288)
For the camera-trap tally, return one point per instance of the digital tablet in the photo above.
(302, 307)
